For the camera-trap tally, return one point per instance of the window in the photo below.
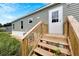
(55, 16)
(21, 24)
(13, 26)
(30, 20)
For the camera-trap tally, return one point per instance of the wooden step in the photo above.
(62, 50)
(55, 36)
(43, 52)
(59, 41)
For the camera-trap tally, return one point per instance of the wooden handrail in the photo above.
(75, 25)
(25, 41)
(33, 29)
(71, 31)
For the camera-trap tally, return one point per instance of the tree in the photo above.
(7, 24)
(1, 25)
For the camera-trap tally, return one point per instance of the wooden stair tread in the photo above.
(55, 41)
(43, 52)
(55, 36)
(62, 50)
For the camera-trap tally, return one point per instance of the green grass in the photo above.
(9, 46)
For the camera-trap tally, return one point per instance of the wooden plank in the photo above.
(73, 40)
(43, 52)
(55, 36)
(74, 34)
(45, 28)
(25, 47)
(75, 25)
(35, 45)
(70, 47)
(66, 27)
(63, 42)
(62, 50)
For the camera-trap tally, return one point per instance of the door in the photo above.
(56, 20)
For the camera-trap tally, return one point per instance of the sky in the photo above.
(12, 11)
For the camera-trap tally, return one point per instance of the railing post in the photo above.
(25, 50)
(66, 27)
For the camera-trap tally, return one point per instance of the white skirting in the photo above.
(18, 33)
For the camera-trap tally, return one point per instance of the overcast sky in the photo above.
(11, 11)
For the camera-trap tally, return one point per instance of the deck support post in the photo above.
(25, 50)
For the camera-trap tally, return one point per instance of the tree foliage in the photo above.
(1, 25)
(7, 24)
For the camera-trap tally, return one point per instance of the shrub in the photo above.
(57, 52)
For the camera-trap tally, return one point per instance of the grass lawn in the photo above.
(9, 46)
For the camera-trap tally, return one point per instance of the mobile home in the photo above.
(51, 14)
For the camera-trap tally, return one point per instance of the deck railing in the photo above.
(71, 30)
(32, 37)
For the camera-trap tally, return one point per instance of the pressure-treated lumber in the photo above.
(63, 42)
(54, 36)
(52, 47)
(43, 52)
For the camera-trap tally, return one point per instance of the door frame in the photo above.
(58, 8)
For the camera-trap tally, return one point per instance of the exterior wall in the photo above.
(41, 15)
(72, 9)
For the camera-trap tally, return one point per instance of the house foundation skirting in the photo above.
(18, 33)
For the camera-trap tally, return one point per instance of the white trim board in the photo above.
(18, 33)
